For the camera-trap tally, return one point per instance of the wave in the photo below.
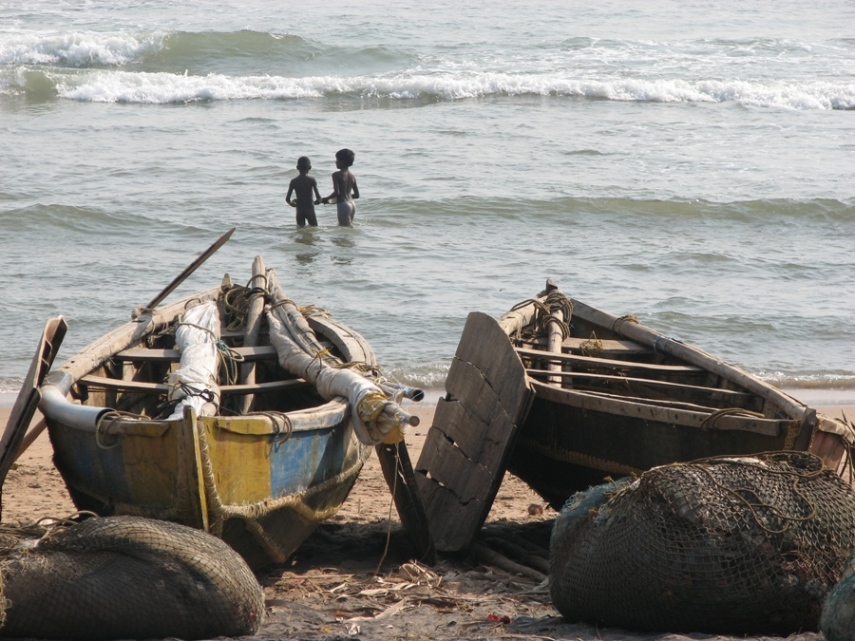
(230, 53)
(77, 49)
(165, 67)
(171, 88)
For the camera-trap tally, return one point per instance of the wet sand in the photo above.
(357, 578)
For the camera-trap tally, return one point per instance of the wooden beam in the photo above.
(605, 347)
(650, 411)
(162, 388)
(253, 353)
(702, 390)
(608, 363)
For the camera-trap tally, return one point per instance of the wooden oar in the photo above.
(29, 396)
(31, 437)
(192, 267)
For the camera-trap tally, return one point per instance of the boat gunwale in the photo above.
(651, 411)
(326, 416)
(658, 342)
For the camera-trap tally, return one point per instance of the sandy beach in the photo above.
(356, 577)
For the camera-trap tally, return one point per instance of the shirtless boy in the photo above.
(344, 188)
(303, 186)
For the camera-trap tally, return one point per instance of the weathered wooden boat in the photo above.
(564, 395)
(232, 410)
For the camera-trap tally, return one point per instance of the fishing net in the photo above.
(723, 545)
(837, 621)
(128, 578)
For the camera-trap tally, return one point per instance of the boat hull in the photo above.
(563, 448)
(263, 493)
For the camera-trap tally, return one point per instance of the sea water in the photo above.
(692, 163)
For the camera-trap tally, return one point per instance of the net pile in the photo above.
(128, 578)
(837, 621)
(724, 545)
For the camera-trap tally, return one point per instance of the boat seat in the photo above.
(733, 398)
(606, 363)
(255, 353)
(604, 348)
(162, 388)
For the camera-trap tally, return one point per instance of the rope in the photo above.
(237, 299)
(389, 515)
(204, 393)
(101, 426)
(592, 347)
(282, 303)
(544, 309)
(758, 504)
(709, 421)
(229, 359)
(626, 318)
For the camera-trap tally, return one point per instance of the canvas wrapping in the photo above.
(301, 355)
(197, 337)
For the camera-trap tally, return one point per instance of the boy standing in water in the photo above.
(302, 186)
(344, 188)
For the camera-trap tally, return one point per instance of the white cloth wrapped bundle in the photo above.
(195, 381)
(375, 417)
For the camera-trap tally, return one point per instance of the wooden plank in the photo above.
(192, 267)
(607, 347)
(489, 347)
(701, 390)
(488, 445)
(474, 430)
(28, 398)
(689, 353)
(591, 361)
(162, 388)
(446, 463)
(253, 353)
(650, 411)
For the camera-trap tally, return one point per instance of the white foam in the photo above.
(76, 48)
(156, 88)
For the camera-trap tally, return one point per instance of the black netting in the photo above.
(726, 545)
(128, 577)
(837, 621)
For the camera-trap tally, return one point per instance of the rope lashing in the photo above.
(553, 302)
(104, 423)
(710, 421)
(230, 360)
(626, 318)
(236, 302)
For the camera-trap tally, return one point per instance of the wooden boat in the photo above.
(258, 444)
(564, 396)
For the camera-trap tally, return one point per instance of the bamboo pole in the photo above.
(554, 339)
(376, 418)
(257, 285)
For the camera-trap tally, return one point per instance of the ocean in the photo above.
(692, 163)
